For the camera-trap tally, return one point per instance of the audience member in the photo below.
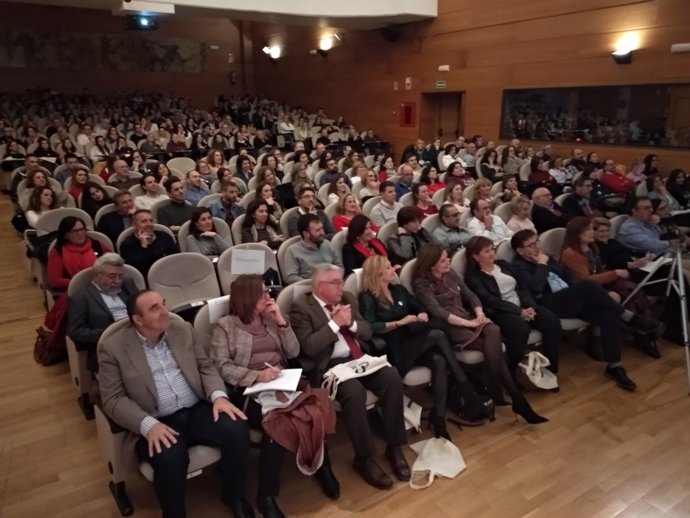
(409, 238)
(546, 213)
(578, 203)
(454, 196)
(483, 223)
(329, 328)
(203, 238)
(580, 256)
(567, 297)
(677, 186)
(337, 188)
(521, 210)
(456, 173)
(404, 184)
(449, 234)
(614, 182)
(73, 252)
(387, 209)
(93, 309)
(641, 233)
(42, 200)
(195, 188)
(346, 209)
(145, 245)
(179, 210)
(360, 244)
(311, 250)
(510, 304)
(412, 338)
(489, 166)
(120, 177)
(259, 227)
(307, 204)
(151, 194)
(252, 344)
(445, 296)
(226, 207)
(422, 201)
(431, 179)
(94, 198)
(186, 403)
(114, 223)
(265, 191)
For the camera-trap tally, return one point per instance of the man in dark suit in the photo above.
(114, 223)
(156, 382)
(568, 297)
(578, 203)
(546, 214)
(93, 309)
(330, 330)
(146, 245)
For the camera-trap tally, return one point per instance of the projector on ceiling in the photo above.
(143, 7)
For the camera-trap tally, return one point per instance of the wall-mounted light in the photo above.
(625, 46)
(622, 57)
(326, 43)
(274, 52)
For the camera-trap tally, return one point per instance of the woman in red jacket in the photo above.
(73, 252)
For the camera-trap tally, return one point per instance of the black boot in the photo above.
(438, 424)
(268, 507)
(647, 345)
(522, 408)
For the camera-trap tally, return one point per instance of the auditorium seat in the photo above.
(224, 264)
(222, 229)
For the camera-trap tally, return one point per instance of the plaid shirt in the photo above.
(174, 393)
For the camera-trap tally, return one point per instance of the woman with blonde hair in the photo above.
(412, 339)
(454, 196)
(346, 209)
(370, 182)
(482, 191)
(521, 208)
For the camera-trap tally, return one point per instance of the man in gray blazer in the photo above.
(156, 382)
(94, 308)
(330, 330)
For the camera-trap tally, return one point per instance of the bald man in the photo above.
(546, 214)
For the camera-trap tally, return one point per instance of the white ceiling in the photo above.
(353, 14)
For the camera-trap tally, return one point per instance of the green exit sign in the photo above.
(440, 84)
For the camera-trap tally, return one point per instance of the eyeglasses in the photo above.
(453, 215)
(76, 230)
(530, 245)
(334, 282)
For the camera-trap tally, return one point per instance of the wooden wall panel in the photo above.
(490, 46)
(202, 87)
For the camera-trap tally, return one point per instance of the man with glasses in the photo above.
(404, 185)
(641, 232)
(91, 310)
(449, 234)
(304, 256)
(330, 330)
(306, 202)
(546, 214)
(568, 297)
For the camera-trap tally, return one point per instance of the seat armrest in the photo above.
(114, 427)
(377, 346)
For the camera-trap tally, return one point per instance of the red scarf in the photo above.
(378, 248)
(78, 258)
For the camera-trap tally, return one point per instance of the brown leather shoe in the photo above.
(401, 469)
(372, 473)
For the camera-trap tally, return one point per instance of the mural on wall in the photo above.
(85, 51)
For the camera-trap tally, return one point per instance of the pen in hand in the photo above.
(274, 369)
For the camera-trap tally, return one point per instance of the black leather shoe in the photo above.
(372, 473)
(647, 345)
(329, 484)
(241, 509)
(618, 375)
(646, 326)
(268, 507)
(399, 465)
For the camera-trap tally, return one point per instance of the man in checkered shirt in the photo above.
(159, 384)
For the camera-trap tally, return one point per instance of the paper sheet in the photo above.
(247, 261)
(656, 264)
(287, 381)
(217, 308)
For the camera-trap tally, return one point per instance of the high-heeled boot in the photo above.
(522, 408)
(495, 389)
(438, 425)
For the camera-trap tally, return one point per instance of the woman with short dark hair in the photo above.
(360, 244)
(203, 237)
(252, 345)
